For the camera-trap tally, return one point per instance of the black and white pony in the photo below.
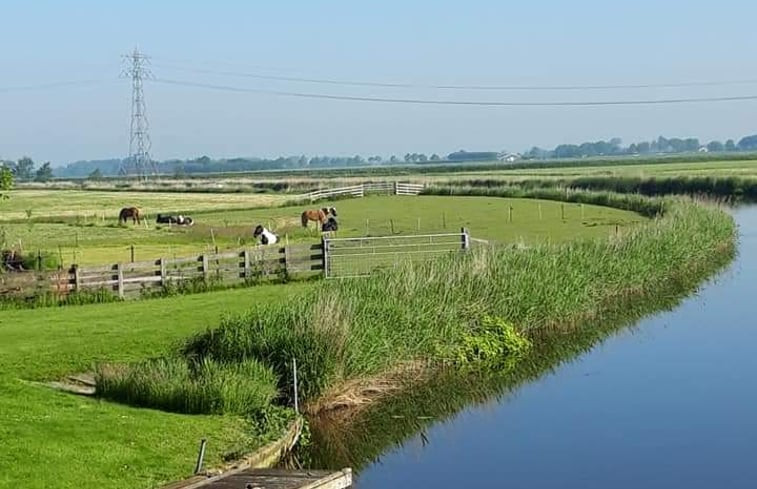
(329, 225)
(169, 219)
(266, 236)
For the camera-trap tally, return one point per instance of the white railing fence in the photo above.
(390, 188)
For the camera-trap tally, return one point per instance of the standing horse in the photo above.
(318, 215)
(129, 212)
(266, 237)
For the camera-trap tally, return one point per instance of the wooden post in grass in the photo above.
(562, 211)
(77, 279)
(246, 264)
(540, 215)
(162, 265)
(419, 224)
(391, 225)
(119, 279)
(204, 259)
(296, 397)
(132, 253)
(200, 456)
(582, 212)
(510, 214)
(444, 220)
(464, 239)
(367, 229)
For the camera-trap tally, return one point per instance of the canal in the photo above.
(668, 402)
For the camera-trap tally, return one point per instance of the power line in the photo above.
(139, 161)
(417, 101)
(329, 81)
(47, 86)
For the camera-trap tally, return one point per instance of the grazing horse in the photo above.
(129, 212)
(266, 237)
(169, 219)
(318, 215)
(330, 225)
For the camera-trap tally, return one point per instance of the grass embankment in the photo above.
(54, 439)
(353, 338)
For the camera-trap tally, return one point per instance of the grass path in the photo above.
(53, 439)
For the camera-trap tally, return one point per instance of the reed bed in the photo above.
(185, 386)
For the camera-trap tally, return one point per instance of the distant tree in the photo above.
(730, 145)
(715, 147)
(24, 169)
(748, 143)
(96, 174)
(44, 173)
(422, 158)
(6, 181)
(394, 159)
(434, 157)
(408, 156)
(644, 147)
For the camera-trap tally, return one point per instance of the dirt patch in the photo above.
(82, 384)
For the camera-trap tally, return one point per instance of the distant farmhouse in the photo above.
(463, 155)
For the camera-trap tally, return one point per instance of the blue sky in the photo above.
(422, 42)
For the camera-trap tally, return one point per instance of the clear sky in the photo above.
(471, 42)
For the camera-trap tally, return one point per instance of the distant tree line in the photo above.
(25, 170)
(661, 145)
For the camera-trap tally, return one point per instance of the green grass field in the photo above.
(53, 439)
(93, 206)
(92, 242)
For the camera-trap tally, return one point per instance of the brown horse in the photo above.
(318, 215)
(129, 212)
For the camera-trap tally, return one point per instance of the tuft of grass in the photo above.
(202, 387)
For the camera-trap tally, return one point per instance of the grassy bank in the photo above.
(54, 439)
(354, 338)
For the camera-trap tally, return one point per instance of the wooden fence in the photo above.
(137, 278)
(391, 188)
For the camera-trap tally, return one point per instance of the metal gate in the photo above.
(354, 257)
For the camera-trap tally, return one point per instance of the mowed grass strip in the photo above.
(53, 439)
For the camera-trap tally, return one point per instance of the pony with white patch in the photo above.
(266, 237)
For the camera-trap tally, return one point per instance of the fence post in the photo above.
(200, 456)
(77, 279)
(204, 259)
(285, 251)
(162, 263)
(246, 264)
(325, 257)
(465, 239)
(120, 278)
(396, 188)
(362, 190)
(296, 397)
(132, 253)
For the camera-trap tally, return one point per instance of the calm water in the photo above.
(671, 403)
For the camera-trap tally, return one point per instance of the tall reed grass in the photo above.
(193, 387)
(427, 311)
